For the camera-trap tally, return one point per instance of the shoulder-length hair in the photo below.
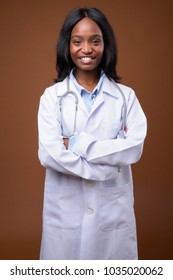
(64, 63)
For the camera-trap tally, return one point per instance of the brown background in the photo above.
(29, 31)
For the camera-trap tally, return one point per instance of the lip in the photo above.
(86, 59)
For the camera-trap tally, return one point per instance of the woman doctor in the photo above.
(88, 208)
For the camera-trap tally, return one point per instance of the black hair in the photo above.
(64, 63)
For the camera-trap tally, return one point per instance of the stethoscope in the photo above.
(122, 132)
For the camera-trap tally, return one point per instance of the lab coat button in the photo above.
(89, 184)
(90, 211)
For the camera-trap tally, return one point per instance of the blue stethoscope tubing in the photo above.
(76, 101)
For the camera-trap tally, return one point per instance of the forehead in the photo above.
(86, 26)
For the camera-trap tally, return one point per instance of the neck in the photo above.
(87, 79)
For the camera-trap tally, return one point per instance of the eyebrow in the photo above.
(94, 35)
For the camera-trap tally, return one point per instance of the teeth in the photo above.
(86, 58)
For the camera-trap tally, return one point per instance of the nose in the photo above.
(86, 48)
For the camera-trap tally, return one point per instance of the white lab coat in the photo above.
(88, 208)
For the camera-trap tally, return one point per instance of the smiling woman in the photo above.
(88, 200)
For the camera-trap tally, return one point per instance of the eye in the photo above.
(76, 42)
(96, 42)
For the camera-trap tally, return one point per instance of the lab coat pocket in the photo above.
(114, 208)
(109, 129)
(62, 208)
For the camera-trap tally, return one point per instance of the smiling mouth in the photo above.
(87, 58)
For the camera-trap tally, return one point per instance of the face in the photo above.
(86, 45)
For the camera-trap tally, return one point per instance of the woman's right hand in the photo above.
(66, 141)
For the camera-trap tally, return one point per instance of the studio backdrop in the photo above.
(29, 31)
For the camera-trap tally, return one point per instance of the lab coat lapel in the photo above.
(99, 101)
(81, 104)
(105, 88)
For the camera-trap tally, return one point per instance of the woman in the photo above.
(88, 200)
